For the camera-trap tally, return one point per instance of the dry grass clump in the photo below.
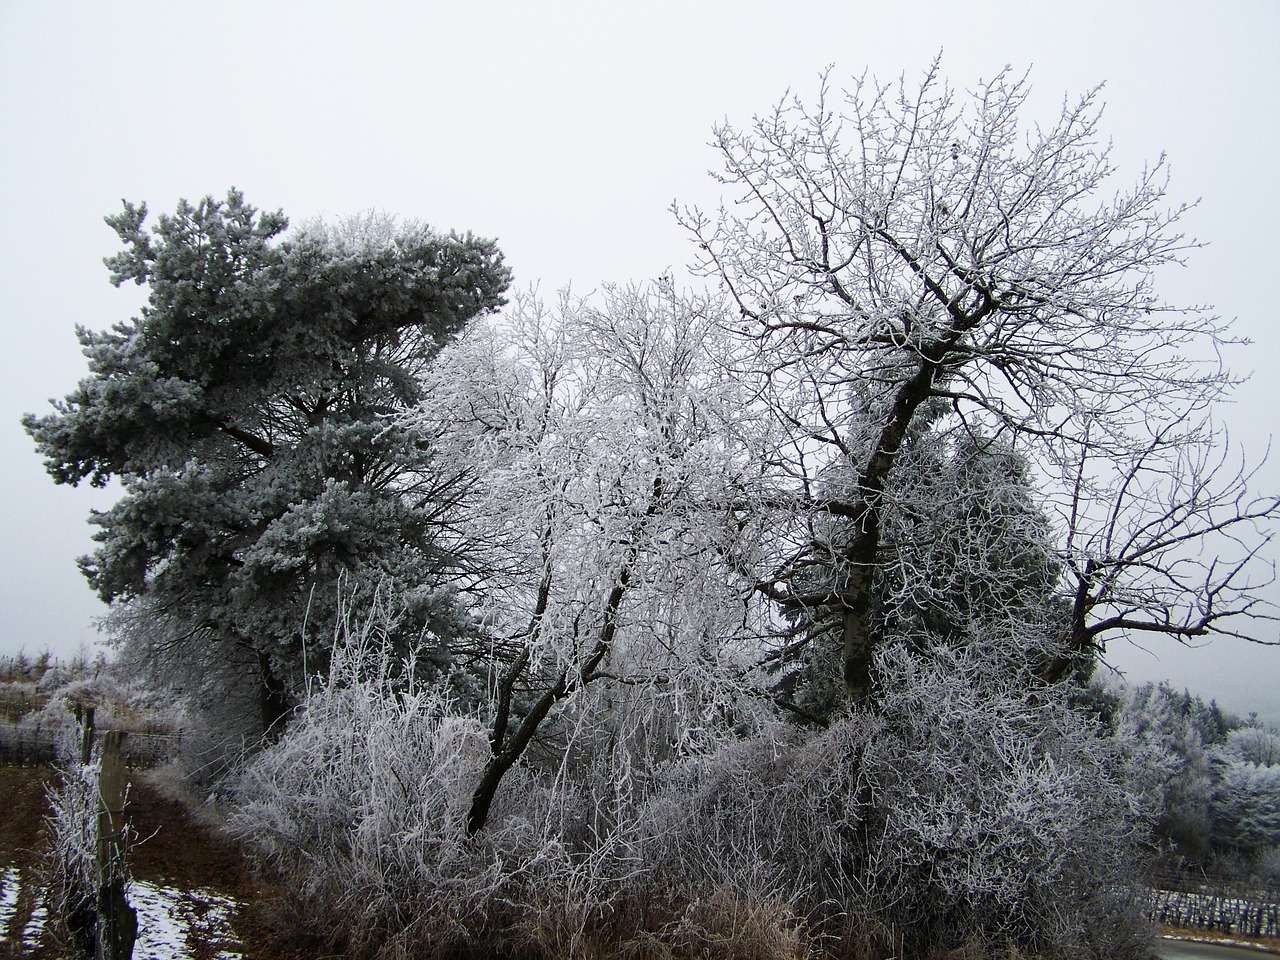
(642, 925)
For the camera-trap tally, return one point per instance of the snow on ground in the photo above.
(10, 888)
(168, 918)
(8, 897)
(34, 929)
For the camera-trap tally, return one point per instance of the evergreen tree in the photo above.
(247, 413)
(967, 559)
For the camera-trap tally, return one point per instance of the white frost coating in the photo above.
(168, 919)
(8, 897)
(35, 925)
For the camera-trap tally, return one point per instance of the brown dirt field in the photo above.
(171, 848)
(22, 833)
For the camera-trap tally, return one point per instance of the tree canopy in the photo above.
(903, 252)
(246, 412)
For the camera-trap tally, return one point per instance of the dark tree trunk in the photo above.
(507, 750)
(273, 700)
(857, 600)
(502, 760)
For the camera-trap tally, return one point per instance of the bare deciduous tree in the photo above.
(596, 527)
(1164, 539)
(896, 248)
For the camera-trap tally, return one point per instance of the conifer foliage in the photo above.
(244, 412)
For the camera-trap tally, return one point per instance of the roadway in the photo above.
(1186, 950)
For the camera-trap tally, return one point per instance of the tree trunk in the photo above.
(273, 700)
(863, 553)
(507, 752)
(504, 759)
(859, 646)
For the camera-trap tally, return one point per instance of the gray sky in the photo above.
(565, 131)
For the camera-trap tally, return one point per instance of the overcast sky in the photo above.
(565, 131)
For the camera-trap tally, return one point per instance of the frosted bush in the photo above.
(1002, 811)
(962, 808)
(72, 854)
(362, 805)
(56, 722)
(52, 679)
(1268, 866)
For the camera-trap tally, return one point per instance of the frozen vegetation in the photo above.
(758, 619)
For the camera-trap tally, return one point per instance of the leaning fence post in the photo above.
(117, 921)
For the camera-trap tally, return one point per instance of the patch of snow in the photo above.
(169, 918)
(35, 925)
(8, 897)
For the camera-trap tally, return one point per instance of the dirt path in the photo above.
(198, 874)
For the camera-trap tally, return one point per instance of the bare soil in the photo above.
(172, 849)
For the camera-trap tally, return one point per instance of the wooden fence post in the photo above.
(117, 921)
(85, 717)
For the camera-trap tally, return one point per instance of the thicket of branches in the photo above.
(960, 812)
(744, 622)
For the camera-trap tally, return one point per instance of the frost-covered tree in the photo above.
(1246, 800)
(1246, 807)
(1163, 539)
(246, 412)
(967, 557)
(1206, 780)
(1166, 764)
(597, 532)
(1253, 744)
(896, 248)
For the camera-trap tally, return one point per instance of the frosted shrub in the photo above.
(739, 815)
(55, 721)
(72, 855)
(1268, 866)
(116, 706)
(999, 811)
(361, 807)
(52, 679)
(961, 808)
(625, 879)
